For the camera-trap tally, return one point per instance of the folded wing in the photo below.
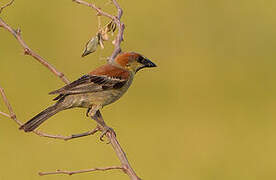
(91, 83)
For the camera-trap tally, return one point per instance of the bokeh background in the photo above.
(207, 112)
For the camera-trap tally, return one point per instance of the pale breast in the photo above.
(114, 95)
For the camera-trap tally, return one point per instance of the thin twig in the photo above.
(116, 19)
(122, 157)
(66, 138)
(28, 51)
(8, 4)
(120, 35)
(39, 133)
(5, 99)
(4, 114)
(119, 9)
(99, 11)
(79, 171)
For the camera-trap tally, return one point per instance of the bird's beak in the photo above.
(148, 63)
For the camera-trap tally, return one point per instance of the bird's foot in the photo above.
(105, 130)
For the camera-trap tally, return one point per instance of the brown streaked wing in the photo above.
(91, 83)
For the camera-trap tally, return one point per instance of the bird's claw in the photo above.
(105, 130)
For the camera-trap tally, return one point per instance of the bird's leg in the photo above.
(99, 119)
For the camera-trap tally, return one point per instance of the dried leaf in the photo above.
(91, 46)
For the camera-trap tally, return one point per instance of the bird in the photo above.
(102, 86)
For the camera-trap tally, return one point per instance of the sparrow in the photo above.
(103, 86)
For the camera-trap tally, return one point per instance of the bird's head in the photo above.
(133, 61)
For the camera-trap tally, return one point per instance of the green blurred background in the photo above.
(207, 112)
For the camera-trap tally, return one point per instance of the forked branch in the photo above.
(125, 166)
(116, 19)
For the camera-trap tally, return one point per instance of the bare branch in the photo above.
(28, 51)
(8, 4)
(66, 138)
(39, 133)
(120, 35)
(120, 11)
(122, 157)
(79, 171)
(5, 99)
(116, 19)
(99, 11)
(4, 114)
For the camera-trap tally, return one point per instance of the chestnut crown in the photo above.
(133, 61)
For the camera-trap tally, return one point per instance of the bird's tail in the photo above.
(40, 118)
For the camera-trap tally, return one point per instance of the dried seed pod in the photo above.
(111, 26)
(114, 27)
(91, 45)
(101, 40)
(104, 37)
(104, 34)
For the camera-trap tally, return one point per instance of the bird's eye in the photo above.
(140, 59)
